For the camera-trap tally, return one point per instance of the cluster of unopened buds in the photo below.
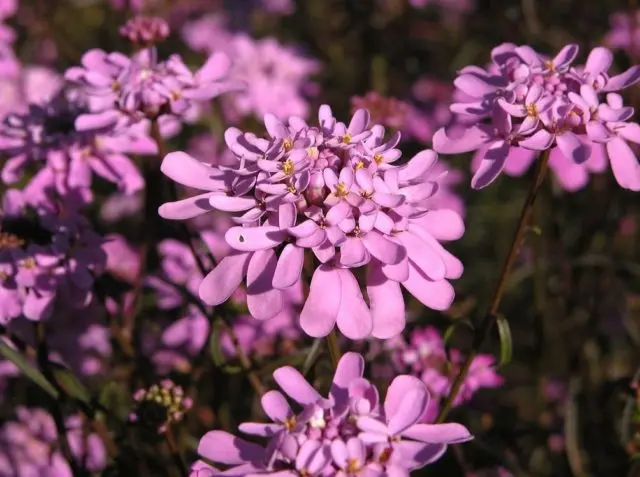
(160, 405)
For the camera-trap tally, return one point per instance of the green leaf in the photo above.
(312, 355)
(214, 346)
(448, 334)
(506, 345)
(217, 355)
(29, 370)
(71, 385)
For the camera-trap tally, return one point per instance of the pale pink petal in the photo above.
(320, 311)
(387, 304)
(354, 317)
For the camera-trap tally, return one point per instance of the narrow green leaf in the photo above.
(29, 370)
(70, 383)
(506, 345)
(312, 355)
(215, 347)
(217, 355)
(448, 334)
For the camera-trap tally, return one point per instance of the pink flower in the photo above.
(334, 191)
(125, 90)
(424, 356)
(526, 103)
(276, 75)
(348, 433)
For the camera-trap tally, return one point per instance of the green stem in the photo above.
(492, 314)
(175, 452)
(334, 347)
(42, 351)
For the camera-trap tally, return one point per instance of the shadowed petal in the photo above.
(224, 279)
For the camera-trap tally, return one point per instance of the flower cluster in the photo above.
(124, 90)
(29, 446)
(333, 190)
(625, 32)
(277, 76)
(424, 356)
(49, 257)
(348, 433)
(185, 337)
(160, 405)
(47, 135)
(525, 101)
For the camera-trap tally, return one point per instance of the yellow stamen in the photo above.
(532, 110)
(29, 263)
(549, 65)
(346, 139)
(378, 158)
(313, 152)
(290, 423)
(342, 190)
(287, 145)
(353, 466)
(359, 165)
(288, 167)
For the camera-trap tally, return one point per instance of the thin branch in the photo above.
(492, 315)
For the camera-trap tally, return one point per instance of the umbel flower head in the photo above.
(335, 191)
(48, 257)
(125, 90)
(160, 405)
(348, 433)
(46, 135)
(526, 101)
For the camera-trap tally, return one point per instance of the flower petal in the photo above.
(224, 279)
(321, 309)
(354, 317)
(387, 304)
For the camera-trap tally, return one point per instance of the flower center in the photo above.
(353, 466)
(385, 455)
(342, 190)
(532, 110)
(290, 423)
(288, 167)
(287, 145)
(29, 263)
(317, 421)
(346, 139)
(378, 158)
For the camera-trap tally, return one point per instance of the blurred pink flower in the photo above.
(277, 76)
(625, 32)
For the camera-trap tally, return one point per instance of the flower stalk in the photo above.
(492, 314)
